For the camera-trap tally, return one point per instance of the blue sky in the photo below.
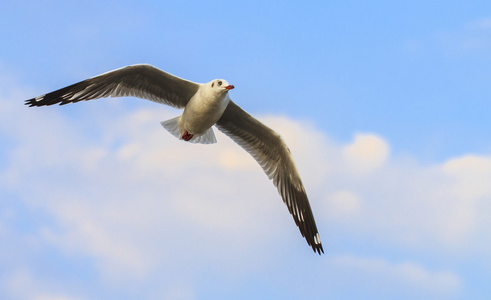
(385, 106)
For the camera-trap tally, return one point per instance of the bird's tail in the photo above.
(172, 126)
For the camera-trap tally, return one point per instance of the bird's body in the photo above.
(205, 108)
(204, 105)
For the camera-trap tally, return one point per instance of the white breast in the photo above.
(203, 110)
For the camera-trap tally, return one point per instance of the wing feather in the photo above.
(142, 81)
(271, 152)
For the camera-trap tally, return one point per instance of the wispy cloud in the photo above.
(470, 39)
(22, 284)
(386, 275)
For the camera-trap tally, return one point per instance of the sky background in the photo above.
(384, 104)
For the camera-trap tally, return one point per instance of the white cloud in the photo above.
(382, 274)
(367, 153)
(342, 205)
(472, 174)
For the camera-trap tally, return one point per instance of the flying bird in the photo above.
(205, 105)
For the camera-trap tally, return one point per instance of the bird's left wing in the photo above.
(271, 152)
(142, 81)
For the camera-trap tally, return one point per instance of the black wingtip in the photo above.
(45, 100)
(30, 102)
(316, 243)
(38, 101)
(317, 248)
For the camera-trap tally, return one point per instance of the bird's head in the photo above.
(220, 85)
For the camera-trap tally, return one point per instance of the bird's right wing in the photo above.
(142, 81)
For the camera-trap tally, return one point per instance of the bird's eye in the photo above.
(219, 82)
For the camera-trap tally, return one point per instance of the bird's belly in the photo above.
(197, 119)
(198, 123)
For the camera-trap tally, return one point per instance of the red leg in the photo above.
(187, 136)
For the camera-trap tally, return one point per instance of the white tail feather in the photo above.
(172, 127)
(206, 138)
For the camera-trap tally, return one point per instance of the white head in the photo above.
(220, 85)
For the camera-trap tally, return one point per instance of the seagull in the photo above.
(205, 105)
